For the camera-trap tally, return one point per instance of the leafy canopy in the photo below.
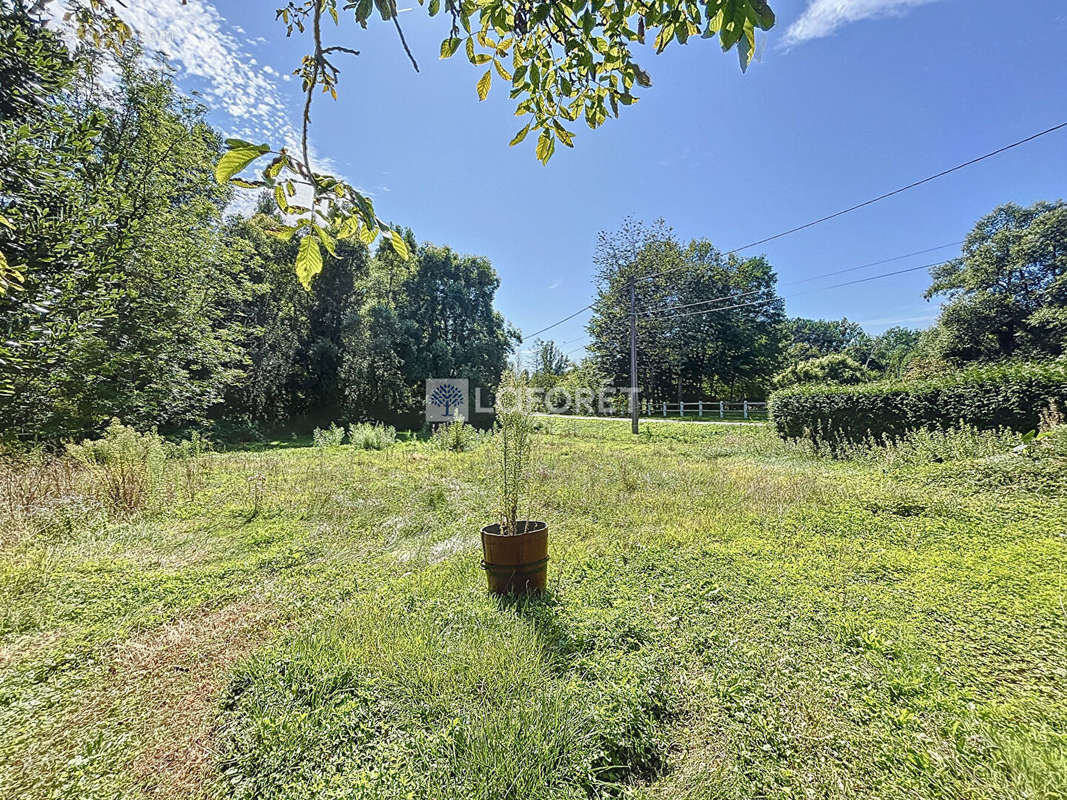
(836, 368)
(561, 60)
(1007, 292)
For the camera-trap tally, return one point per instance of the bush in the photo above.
(368, 436)
(834, 368)
(329, 437)
(237, 430)
(1007, 395)
(129, 465)
(456, 436)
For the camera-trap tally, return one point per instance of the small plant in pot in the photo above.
(514, 550)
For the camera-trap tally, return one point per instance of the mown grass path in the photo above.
(728, 618)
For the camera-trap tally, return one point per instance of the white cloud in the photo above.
(210, 57)
(199, 41)
(555, 284)
(823, 17)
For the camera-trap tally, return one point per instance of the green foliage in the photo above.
(456, 436)
(513, 445)
(835, 368)
(548, 360)
(1007, 292)
(562, 60)
(920, 446)
(429, 316)
(123, 310)
(332, 436)
(371, 436)
(814, 338)
(890, 352)
(726, 353)
(127, 463)
(127, 295)
(570, 60)
(1007, 395)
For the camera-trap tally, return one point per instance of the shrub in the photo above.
(237, 430)
(128, 464)
(328, 437)
(1007, 395)
(921, 446)
(369, 436)
(456, 436)
(834, 368)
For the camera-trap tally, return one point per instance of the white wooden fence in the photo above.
(721, 409)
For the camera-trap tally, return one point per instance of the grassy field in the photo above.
(729, 617)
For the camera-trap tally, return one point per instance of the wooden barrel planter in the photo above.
(516, 564)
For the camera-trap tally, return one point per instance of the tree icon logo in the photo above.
(446, 398)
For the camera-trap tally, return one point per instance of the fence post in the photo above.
(720, 409)
(746, 409)
(664, 408)
(700, 408)
(681, 408)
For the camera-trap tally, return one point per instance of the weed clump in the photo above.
(915, 447)
(126, 465)
(325, 438)
(456, 436)
(371, 436)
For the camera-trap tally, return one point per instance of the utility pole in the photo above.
(633, 357)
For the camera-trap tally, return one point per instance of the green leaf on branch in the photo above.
(308, 260)
(349, 228)
(237, 159)
(400, 247)
(280, 199)
(484, 83)
(284, 233)
(367, 234)
(275, 166)
(449, 47)
(326, 239)
(546, 145)
(520, 136)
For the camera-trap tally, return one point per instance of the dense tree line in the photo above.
(124, 290)
(684, 355)
(1005, 298)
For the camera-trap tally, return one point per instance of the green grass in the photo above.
(729, 617)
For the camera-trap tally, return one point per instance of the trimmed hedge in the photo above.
(1000, 395)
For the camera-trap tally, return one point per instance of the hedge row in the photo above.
(1002, 395)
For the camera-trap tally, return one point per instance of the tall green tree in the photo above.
(113, 219)
(1007, 292)
(434, 318)
(707, 324)
(814, 338)
(548, 359)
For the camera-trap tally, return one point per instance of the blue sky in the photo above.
(851, 98)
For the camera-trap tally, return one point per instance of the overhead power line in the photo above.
(576, 349)
(669, 307)
(554, 324)
(877, 199)
(840, 213)
(820, 289)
